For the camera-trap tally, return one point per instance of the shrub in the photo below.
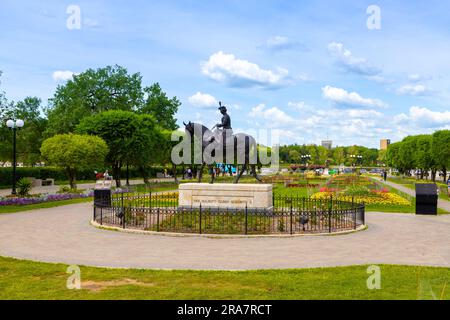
(24, 187)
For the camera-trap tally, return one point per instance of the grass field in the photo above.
(34, 280)
(411, 184)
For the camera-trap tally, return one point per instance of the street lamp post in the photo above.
(14, 125)
(358, 159)
(305, 158)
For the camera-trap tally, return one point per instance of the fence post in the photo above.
(123, 218)
(354, 217)
(329, 214)
(101, 216)
(291, 218)
(246, 221)
(157, 220)
(363, 209)
(200, 220)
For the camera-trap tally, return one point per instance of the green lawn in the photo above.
(410, 183)
(34, 280)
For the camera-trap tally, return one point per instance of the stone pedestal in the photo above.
(225, 195)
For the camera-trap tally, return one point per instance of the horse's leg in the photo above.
(200, 173)
(241, 172)
(211, 169)
(254, 174)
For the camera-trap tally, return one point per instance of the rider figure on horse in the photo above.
(224, 130)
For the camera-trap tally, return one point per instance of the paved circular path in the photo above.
(63, 234)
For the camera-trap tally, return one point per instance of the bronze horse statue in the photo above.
(243, 145)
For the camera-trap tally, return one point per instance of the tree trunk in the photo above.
(433, 175)
(72, 177)
(116, 174)
(444, 171)
(128, 175)
(144, 174)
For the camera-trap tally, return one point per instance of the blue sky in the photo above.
(307, 68)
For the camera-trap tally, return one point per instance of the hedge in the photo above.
(59, 174)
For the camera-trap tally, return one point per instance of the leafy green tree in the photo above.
(339, 155)
(392, 156)
(423, 157)
(322, 155)
(440, 150)
(161, 107)
(92, 92)
(29, 138)
(32, 134)
(73, 152)
(294, 156)
(381, 159)
(132, 139)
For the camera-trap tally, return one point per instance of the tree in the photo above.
(339, 155)
(132, 139)
(32, 134)
(440, 150)
(322, 155)
(161, 107)
(74, 152)
(423, 158)
(92, 92)
(294, 156)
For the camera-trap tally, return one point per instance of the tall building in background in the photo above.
(384, 143)
(327, 144)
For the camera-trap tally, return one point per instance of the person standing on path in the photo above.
(448, 186)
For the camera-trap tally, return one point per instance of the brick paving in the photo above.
(63, 234)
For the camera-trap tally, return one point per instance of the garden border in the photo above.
(224, 236)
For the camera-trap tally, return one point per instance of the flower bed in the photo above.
(359, 189)
(17, 201)
(386, 198)
(43, 198)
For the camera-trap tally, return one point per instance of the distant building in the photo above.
(384, 143)
(327, 144)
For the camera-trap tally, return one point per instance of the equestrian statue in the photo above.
(236, 149)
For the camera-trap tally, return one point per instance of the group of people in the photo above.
(218, 170)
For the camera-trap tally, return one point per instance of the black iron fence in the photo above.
(289, 215)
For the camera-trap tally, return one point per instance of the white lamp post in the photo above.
(14, 125)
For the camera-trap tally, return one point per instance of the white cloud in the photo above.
(274, 116)
(344, 98)
(226, 68)
(414, 90)
(365, 114)
(429, 117)
(349, 62)
(62, 75)
(418, 77)
(203, 100)
(91, 23)
(279, 43)
(300, 106)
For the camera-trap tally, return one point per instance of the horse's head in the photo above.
(189, 128)
(195, 129)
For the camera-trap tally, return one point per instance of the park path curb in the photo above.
(222, 236)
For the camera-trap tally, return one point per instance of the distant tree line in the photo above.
(320, 155)
(425, 152)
